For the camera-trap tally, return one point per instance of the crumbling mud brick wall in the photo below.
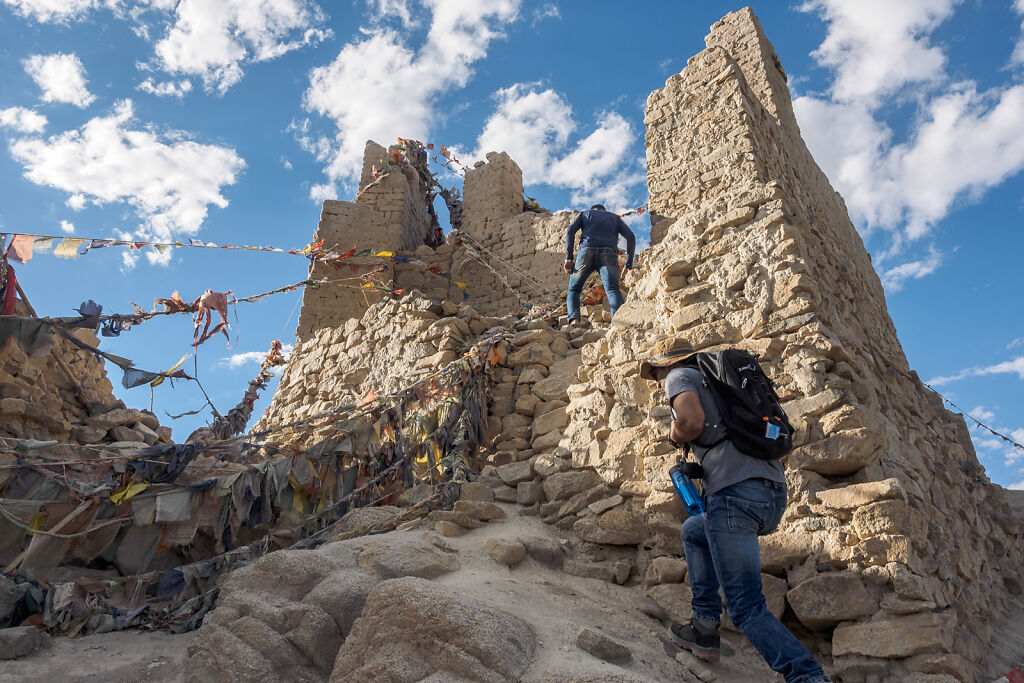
(525, 249)
(389, 216)
(62, 393)
(509, 259)
(896, 550)
(394, 343)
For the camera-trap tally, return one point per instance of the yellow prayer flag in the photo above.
(69, 247)
(462, 285)
(160, 380)
(38, 522)
(133, 489)
(386, 254)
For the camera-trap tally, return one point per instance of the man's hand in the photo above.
(567, 266)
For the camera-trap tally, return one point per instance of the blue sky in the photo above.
(230, 121)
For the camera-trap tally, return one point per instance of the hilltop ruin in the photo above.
(896, 559)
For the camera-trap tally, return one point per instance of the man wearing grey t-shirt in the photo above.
(745, 498)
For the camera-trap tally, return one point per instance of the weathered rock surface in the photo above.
(21, 641)
(826, 599)
(602, 647)
(412, 629)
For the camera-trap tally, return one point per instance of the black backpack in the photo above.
(753, 417)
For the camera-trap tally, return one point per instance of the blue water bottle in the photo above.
(687, 492)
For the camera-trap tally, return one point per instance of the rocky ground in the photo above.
(413, 605)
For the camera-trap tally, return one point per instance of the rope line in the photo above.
(977, 421)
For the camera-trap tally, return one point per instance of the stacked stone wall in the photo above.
(64, 395)
(885, 487)
(393, 344)
(492, 192)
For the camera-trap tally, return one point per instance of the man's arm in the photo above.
(570, 236)
(689, 417)
(630, 242)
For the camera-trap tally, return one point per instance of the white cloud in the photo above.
(894, 278)
(386, 9)
(213, 40)
(534, 127)
(1019, 340)
(61, 77)
(1015, 366)
(287, 164)
(398, 86)
(983, 413)
(320, 193)
(166, 88)
(961, 143)
(129, 257)
(964, 144)
(76, 201)
(169, 180)
(22, 120)
(992, 444)
(67, 227)
(877, 46)
(548, 10)
(596, 156)
(1019, 486)
(237, 360)
(57, 10)
(531, 126)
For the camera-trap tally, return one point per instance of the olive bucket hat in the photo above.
(664, 353)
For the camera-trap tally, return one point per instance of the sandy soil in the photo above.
(115, 657)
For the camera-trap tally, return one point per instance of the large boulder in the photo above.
(896, 637)
(391, 556)
(263, 628)
(615, 527)
(563, 485)
(826, 599)
(412, 629)
(855, 495)
(844, 452)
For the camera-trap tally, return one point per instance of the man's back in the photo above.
(599, 229)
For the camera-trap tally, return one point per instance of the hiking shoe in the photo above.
(698, 637)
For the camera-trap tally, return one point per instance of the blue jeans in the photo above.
(588, 259)
(722, 550)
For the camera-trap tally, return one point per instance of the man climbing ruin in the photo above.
(598, 251)
(745, 498)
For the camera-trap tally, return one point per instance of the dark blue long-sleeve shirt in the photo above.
(600, 229)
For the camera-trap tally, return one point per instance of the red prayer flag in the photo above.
(430, 145)
(20, 249)
(10, 291)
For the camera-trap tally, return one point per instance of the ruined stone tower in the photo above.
(898, 554)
